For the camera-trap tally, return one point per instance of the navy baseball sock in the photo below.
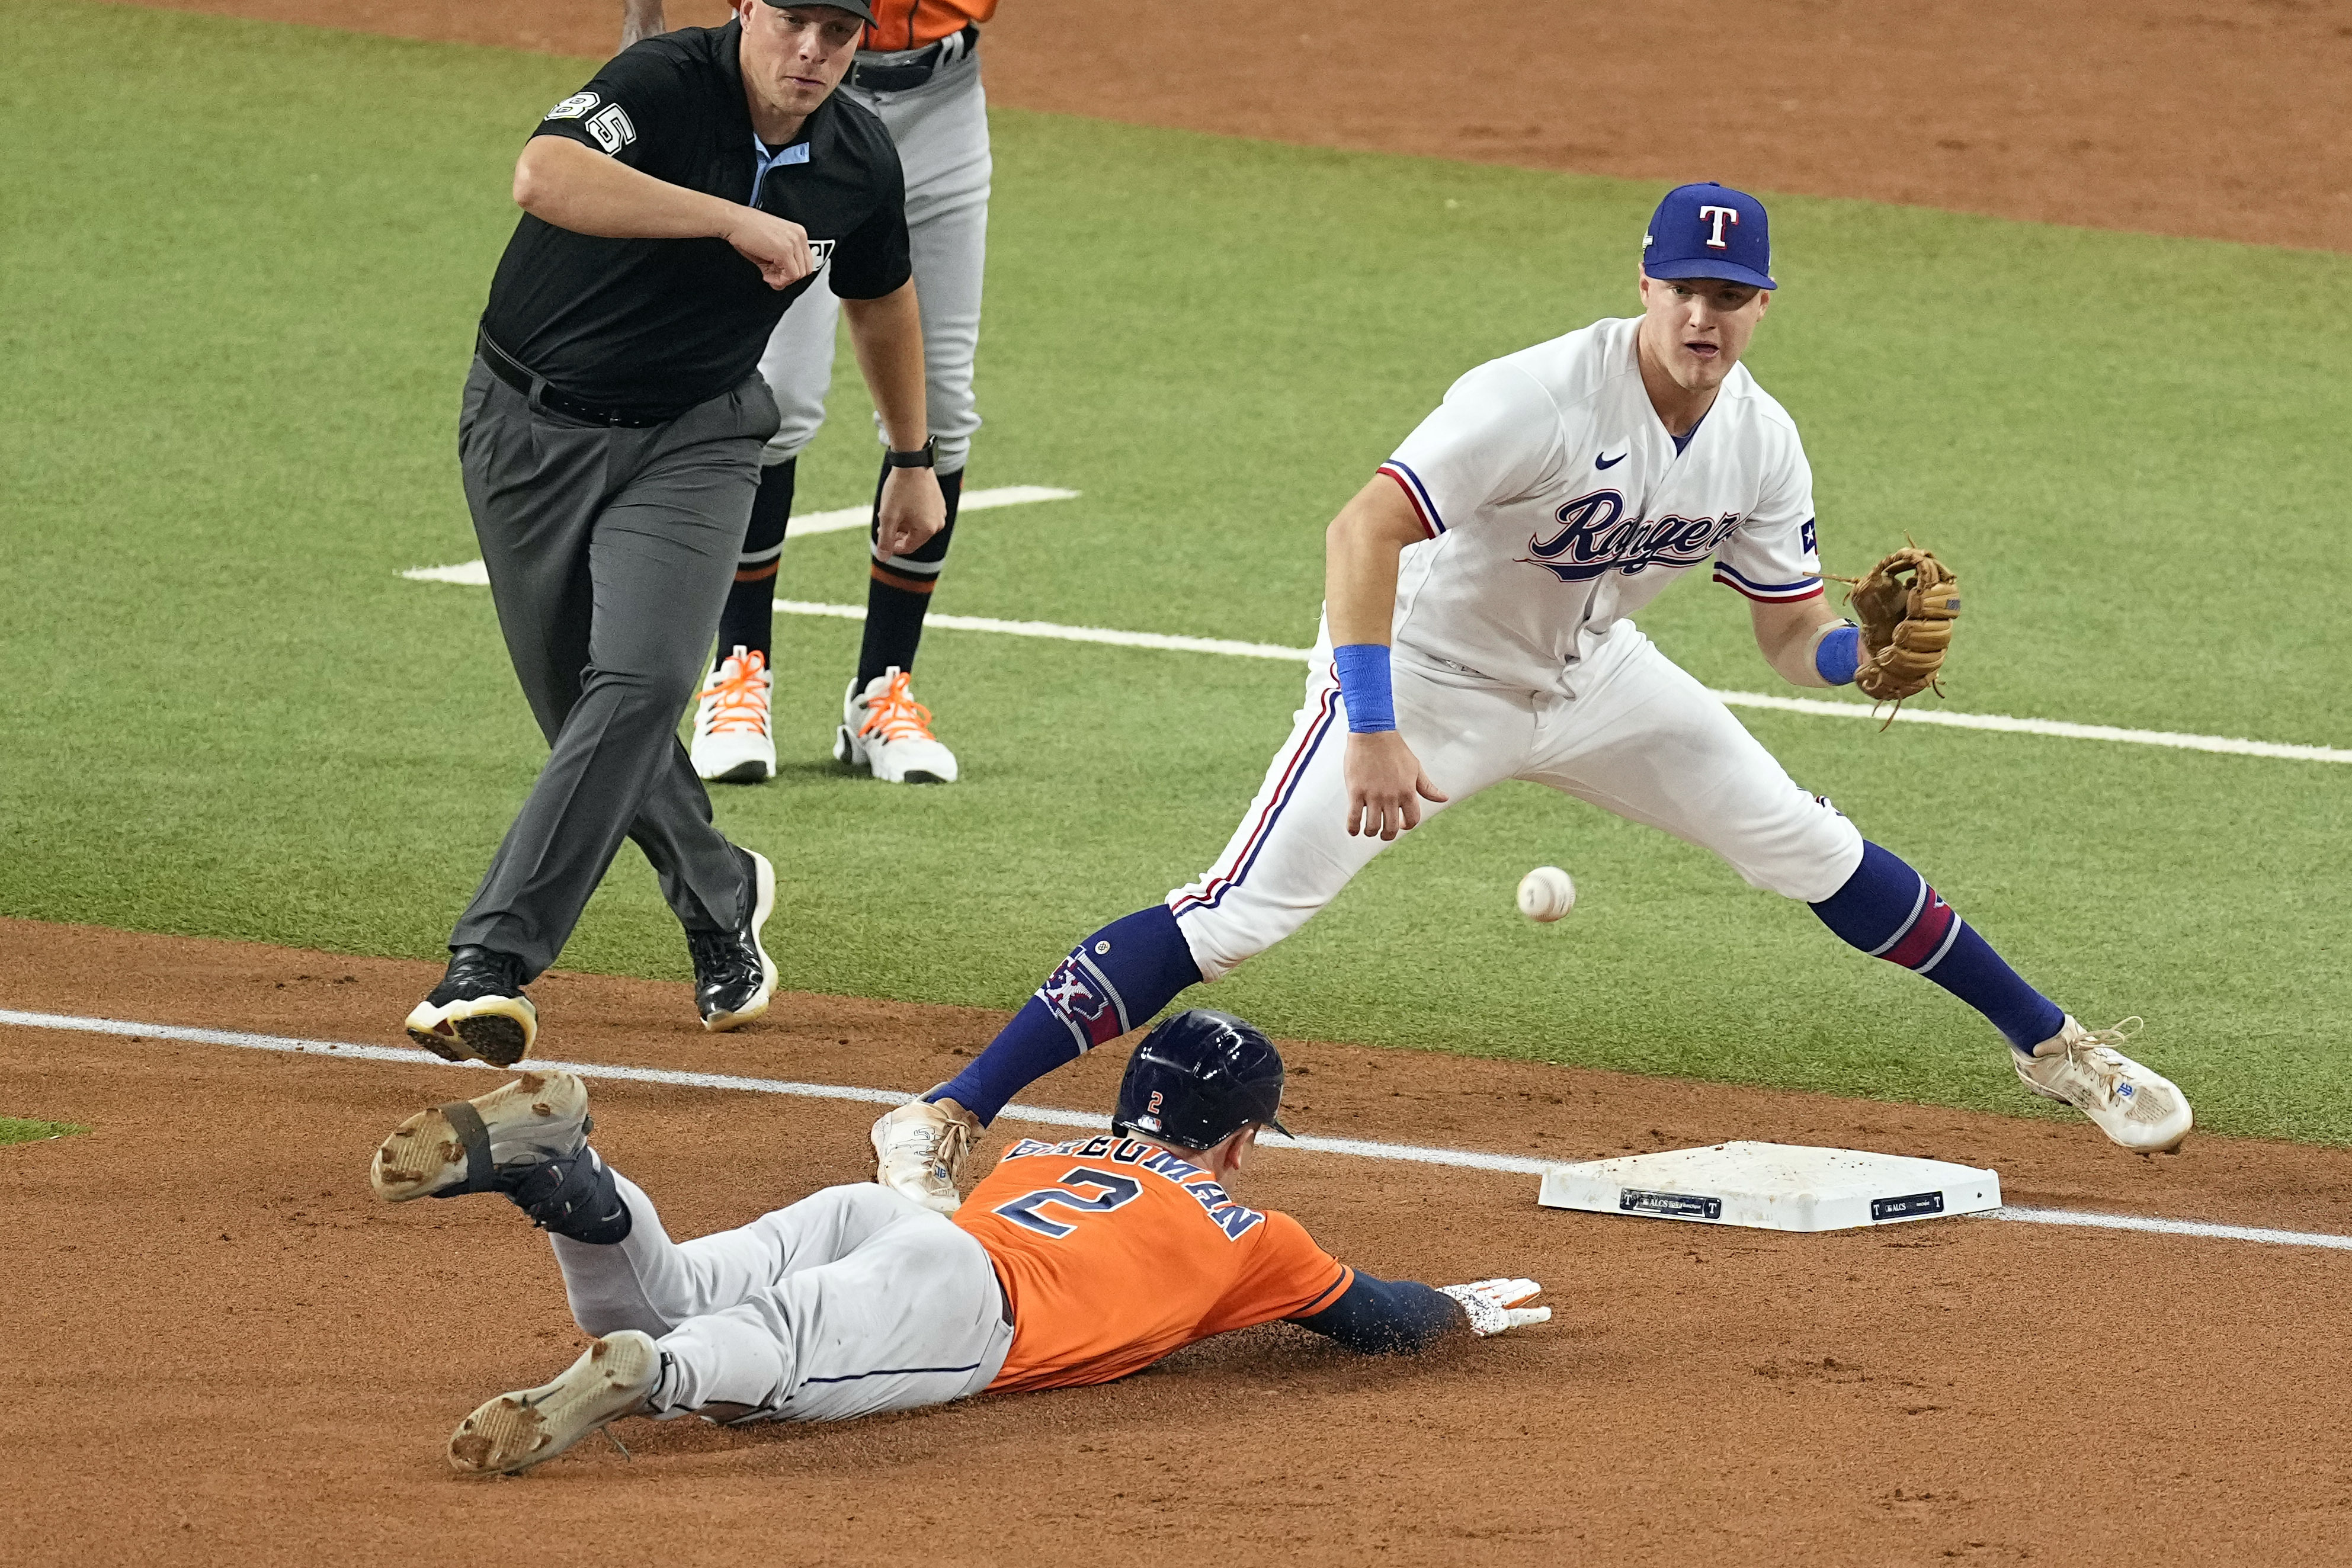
(898, 591)
(1888, 910)
(750, 619)
(1111, 982)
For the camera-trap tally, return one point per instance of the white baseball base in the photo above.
(1772, 1187)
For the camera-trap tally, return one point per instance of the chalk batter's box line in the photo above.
(1409, 1153)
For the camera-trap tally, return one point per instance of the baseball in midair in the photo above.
(1546, 893)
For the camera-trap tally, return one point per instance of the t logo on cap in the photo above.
(1709, 231)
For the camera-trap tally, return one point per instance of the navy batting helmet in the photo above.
(1200, 1078)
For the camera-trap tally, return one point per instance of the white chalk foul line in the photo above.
(473, 574)
(1046, 628)
(1814, 706)
(1411, 1153)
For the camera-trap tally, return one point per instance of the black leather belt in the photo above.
(917, 72)
(520, 377)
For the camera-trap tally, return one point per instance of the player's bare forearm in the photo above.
(641, 19)
(1360, 562)
(559, 181)
(888, 334)
(1789, 634)
(1386, 784)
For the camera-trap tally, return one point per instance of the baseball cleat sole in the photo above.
(516, 1431)
(500, 1031)
(426, 1153)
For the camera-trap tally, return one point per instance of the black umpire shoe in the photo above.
(478, 1010)
(733, 975)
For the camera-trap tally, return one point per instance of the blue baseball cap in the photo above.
(1709, 231)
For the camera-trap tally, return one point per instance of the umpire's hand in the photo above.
(778, 246)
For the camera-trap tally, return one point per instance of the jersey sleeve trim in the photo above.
(1768, 592)
(1337, 1288)
(1415, 492)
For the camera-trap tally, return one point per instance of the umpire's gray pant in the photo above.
(610, 553)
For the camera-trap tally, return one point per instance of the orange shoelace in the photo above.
(894, 715)
(741, 688)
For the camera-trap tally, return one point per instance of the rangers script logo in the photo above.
(1597, 536)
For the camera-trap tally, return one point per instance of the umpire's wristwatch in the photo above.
(923, 457)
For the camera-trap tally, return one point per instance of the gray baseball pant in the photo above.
(852, 1301)
(610, 552)
(942, 130)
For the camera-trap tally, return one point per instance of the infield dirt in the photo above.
(222, 1346)
(2221, 119)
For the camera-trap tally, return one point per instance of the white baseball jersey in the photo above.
(1557, 505)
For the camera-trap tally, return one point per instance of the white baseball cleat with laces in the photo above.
(920, 1149)
(2143, 1111)
(733, 743)
(885, 730)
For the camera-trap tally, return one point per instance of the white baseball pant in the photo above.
(853, 1301)
(1639, 738)
(942, 130)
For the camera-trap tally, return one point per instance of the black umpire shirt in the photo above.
(663, 324)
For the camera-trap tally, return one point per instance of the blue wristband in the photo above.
(1838, 655)
(1363, 670)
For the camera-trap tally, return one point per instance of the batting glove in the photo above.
(1494, 1304)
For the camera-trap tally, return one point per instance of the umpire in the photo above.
(610, 437)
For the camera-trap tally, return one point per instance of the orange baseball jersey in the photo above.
(1114, 1251)
(911, 23)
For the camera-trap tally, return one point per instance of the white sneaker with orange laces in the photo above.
(885, 730)
(732, 742)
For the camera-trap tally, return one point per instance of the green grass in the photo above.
(17, 1130)
(241, 268)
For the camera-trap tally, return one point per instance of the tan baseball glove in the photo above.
(1905, 606)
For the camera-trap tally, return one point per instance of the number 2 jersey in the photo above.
(1556, 504)
(1113, 1252)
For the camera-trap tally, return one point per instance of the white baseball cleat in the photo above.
(734, 742)
(887, 731)
(460, 1146)
(2143, 1111)
(515, 1431)
(919, 1150)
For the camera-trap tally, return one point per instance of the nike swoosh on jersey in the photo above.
(1605, 461)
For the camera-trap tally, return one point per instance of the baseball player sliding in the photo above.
(1477, 596)
(1075, 1263)
(918, 69)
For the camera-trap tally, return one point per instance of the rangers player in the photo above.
(1077, 1262)
(918, 68)
(1477, 596)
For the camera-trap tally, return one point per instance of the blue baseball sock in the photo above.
(1112, 981)
(1888, 910)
